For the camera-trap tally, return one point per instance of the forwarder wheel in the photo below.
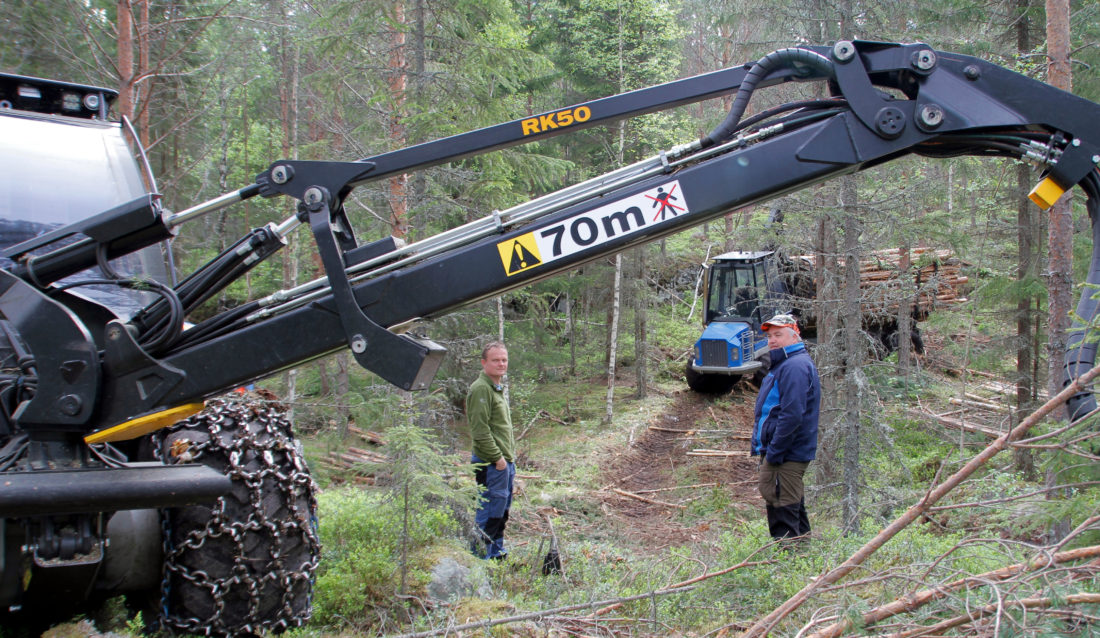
(709, 383)
(244, 564)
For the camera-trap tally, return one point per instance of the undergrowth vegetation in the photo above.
(369, 584)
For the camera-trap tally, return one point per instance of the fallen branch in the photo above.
(959, 425)
(764, 625)
(646, 500)
(978, 614)
(677, 487)
(691, 581)
(712, 415)
(984, 405)
(725, 433)
(909, 602)
(542, 614)
(660, 429)
(529, 424)
(706, 452)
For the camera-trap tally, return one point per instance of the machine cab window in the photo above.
(738, 287)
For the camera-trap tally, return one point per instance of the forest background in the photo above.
(219, 90)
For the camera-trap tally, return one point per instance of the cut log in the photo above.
(706, 452)
(373, 438)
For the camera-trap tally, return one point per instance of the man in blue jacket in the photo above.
(785, 427)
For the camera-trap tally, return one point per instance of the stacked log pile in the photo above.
(357, 464)
(934, 279)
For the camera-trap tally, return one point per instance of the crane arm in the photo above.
(885, 101)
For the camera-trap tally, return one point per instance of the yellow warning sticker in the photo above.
(519, 254)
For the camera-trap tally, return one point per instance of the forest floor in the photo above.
(650, 467)
(693, 448)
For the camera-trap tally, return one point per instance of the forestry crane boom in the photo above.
(84, 385)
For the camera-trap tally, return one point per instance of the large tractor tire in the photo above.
(709, 383)
(245, 564)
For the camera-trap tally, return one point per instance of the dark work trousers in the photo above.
(783, 491)
(495, 502)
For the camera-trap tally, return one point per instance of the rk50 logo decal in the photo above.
(559, 119)
(592, 228)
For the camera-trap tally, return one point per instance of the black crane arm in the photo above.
(886, 101)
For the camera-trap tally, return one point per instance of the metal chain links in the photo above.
(250, 442)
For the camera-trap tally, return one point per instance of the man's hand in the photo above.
(502, 464)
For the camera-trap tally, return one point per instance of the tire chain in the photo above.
(232, 435)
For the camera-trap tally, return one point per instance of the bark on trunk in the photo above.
(1060, 230)
(125, 101)
(613, 338)
(641, 343)
(852, 354)
(825, 284)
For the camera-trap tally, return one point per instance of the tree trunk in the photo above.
(825, 283)
(571, 332)
(144, 33)
(1023, 458)
(1059, 231)
(641, 343)
(341, 387)
(398, 67)
(288, 103)
(852, 355)
(125, 101)
(613, 337)
(1025, 231)
(905, 312)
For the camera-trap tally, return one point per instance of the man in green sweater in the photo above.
(493, 447)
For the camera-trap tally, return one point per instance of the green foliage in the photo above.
(361, 533)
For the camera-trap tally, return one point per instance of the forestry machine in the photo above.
(739, 294)
(742, 289)
(213, 518)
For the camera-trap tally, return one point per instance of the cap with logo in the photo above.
(781, 321)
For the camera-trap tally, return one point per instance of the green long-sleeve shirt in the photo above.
(490, 421)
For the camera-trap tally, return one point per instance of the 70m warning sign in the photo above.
(592, 228)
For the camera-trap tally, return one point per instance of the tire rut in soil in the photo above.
(652, 461)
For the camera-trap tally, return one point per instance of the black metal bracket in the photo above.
(132, 371)
(65, 357)
(406, 362)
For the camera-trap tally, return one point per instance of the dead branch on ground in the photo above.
(910, 602)
(691, 581)
(764, 625)
(535, 615)
(646, 500)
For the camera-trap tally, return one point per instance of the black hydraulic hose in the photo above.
(833, 104)
(168, 331)
(195, 289)
(216, 325)
(789, 57)
(1081, 343)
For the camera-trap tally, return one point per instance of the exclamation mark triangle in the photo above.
(521, 258)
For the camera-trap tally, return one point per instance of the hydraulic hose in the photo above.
(1082, 341)
(803, 59)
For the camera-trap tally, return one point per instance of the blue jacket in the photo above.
(787, 408)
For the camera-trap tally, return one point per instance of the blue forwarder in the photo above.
(742, 290)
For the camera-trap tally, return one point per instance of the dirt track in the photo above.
(658, 459)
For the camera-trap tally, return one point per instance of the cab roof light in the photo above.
(29, 92)
(70, 102)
